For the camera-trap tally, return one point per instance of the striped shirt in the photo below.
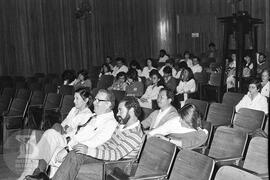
(124, 144)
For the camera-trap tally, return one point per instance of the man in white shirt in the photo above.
(120, 66)
(165, 113)
(196, 68)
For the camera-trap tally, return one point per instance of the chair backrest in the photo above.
(9, 92)
(105, 82)
(208, 126)
(234, 173)
(66, 106)
(202, 77)
(20, 84)
(190, 165)
(228, 142)
(157, 157)
(201, 105)
(66, 90)
(248, 120)
(232, 98)
(50, 88)
(257, 155)
(52, 101)
(18, 107)
(215, 79)
(23, 94)
(37, 98)
(220, 114)
(35, 86)
(4, 103)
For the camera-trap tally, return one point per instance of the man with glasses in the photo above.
(124, 144)
(95, 132)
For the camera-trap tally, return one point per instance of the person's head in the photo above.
(247, 58)
(134, 65)
(254, 87)
(191, 116)
(121, 76)
(82, 98)
(183, 65)
(233, 57)
(69, 75)
(155, 76)
(167, 72)
(169, 62)
(212, 46)
(104, 102)
(120, 62)
(162, 53)
(186, 74)
(262, 58)
(108, 60)
(165, 98)
(265, 75)
(105, 68)
(128, 110)
(83, 75)
(186, 54)
(195, 60)
(132, 75)
(149, 62)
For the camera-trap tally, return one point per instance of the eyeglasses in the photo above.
(100, 100)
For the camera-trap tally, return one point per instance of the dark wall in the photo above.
(45, 36)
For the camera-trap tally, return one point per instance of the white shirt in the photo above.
(196, 68)
(258, 103)
(151, 92)
(173, 71)
(160, 115)
(171, 126)
(116, 70)
(146, 71)
(266, 90)
(186, 86)
(163, 59)
(96, 132)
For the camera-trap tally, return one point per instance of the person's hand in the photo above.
(162, 137)
(61, 155)
(80, 148)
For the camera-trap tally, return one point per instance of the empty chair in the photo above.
(156, 159)
(215, 81)
(201, 105)
(9, 92)
(23, 94)
(20, 84)
(35, 86)
(232, 98)
(190, 165)
(4, 103)
(220, 114)
(248, 120)
(66, 90)
(18, 78)
(105, 82)
(228, 143)
(257, 156)
(50, 88)
(234, 173)
(202, 79)
(67, 105)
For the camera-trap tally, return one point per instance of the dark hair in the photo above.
(186, 52)
(170, 61)
(134, 63)
(163, 50)
(167, 70)
(83, 72)
(110, 96)
(190, 74)
(69, 75)
(169, 93)
(211, 44)
(155, 72)
(132, 102)
(196, 57)
(85, 93)
(183, 64)
(266, 70)
(132, 74)
(121, 74)
(107, 66)
(262, 54)
(191, 115)
(257, 83)
(123, 60)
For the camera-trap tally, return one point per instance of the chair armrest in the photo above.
(150, 176)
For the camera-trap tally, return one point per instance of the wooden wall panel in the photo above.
(45, 36)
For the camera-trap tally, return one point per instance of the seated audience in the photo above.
(105, 70)
(231, 72)
(83, 80)
(164, 114)
(80, 127)
(123, 144)
(187, 59)
(108, 61)
(134, 86)
(265, 91)
(185, 131)
(120, 83)
(169, 63)
(120, 66)
(152, 90)
(247, 67)
(163, 56)
(135, 65)
(170, 82)
(186, 86)
(253, 99)
(261, 63)
(196, 68)
(69, 77)
(179, 67)
(148, 68)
